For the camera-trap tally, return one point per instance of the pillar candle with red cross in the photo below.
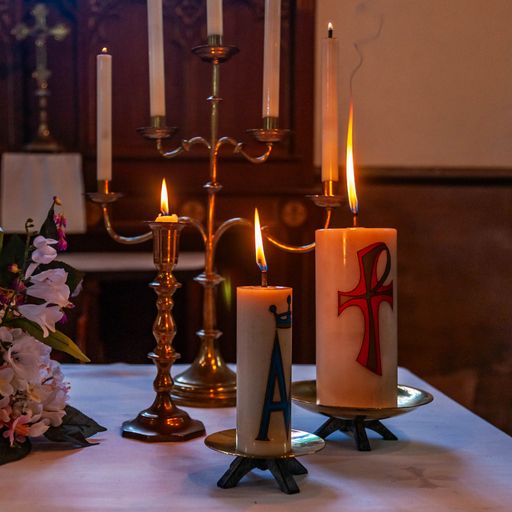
(356, 317)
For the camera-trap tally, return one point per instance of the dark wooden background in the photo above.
(455, 232)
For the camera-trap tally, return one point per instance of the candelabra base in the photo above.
(155, 427)
(200, 387)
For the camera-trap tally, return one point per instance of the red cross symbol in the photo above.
(368, 295)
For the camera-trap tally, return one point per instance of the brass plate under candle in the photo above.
(303, 443)
(408, 398)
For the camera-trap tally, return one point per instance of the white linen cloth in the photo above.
(29, 182)
(446, 459)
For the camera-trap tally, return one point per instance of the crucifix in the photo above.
(40, 31)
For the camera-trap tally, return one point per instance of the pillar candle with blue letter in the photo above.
(356, 310)
(264, 360)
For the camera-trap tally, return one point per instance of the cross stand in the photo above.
(282, 470)
(357, 428)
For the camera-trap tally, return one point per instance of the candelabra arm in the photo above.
(239, 150)
(237, 221)
(297, 249)
(196, 224)
(185, 146)
(127, 240)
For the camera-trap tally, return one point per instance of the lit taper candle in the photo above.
(329, 80)
(356, 310)
(164, 215)
(271, 58)
(264, 359)
(214, 22)
(156, 59)
(104, 115)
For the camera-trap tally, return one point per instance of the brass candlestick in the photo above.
(163, 421)
(208, 382)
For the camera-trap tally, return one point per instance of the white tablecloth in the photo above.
(447, 459)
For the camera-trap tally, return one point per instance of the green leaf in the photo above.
(56, 340)
(76, 428)
(13, 453)
(49, 229)
(74, 275)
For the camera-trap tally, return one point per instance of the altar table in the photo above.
(446, 459)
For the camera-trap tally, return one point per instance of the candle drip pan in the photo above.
(282, 467)
(355, 420)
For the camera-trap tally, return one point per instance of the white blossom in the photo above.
(42, 314)
(50, 286)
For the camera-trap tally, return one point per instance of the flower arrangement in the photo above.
(35, 291)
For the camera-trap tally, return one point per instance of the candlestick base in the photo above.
(104, 197)
(355, 420)
(283, 468)
(325, 201)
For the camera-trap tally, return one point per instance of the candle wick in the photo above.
(264, 281)
(330, 33)
(354, 220)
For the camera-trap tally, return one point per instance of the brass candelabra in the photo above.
(163, 421)
(208, 382)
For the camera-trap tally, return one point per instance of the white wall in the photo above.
(435, 88)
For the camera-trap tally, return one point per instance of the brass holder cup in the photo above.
(163, 421)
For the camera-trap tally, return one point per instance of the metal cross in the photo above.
(40, 31)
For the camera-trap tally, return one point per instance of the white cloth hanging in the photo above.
(29, 182)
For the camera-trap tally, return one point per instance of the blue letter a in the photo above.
(276, 373)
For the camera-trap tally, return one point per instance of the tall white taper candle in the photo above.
(329, 80)
(104, 115)
(214, 22)
(156, 58)
(271, 58)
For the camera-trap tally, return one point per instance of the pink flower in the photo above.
(50, 286)
(42, 314)
(27, 357)
(60, 223)
(42, 253)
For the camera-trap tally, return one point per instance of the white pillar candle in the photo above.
(214, 25)
(104, 115)
(156, 58)
(356, 317)
(264, 359)
(271, 58)
(329, 81)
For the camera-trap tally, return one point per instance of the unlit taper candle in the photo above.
(329, 80)
(271, 58)
(156, 58)
(214, 24)
(104, 115)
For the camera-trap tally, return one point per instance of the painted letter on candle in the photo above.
(264, 358)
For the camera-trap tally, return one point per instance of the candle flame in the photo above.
(330, 30)
(104, 50)
(260, 254)
(351, 182)
(164, 199)
(330, 26)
